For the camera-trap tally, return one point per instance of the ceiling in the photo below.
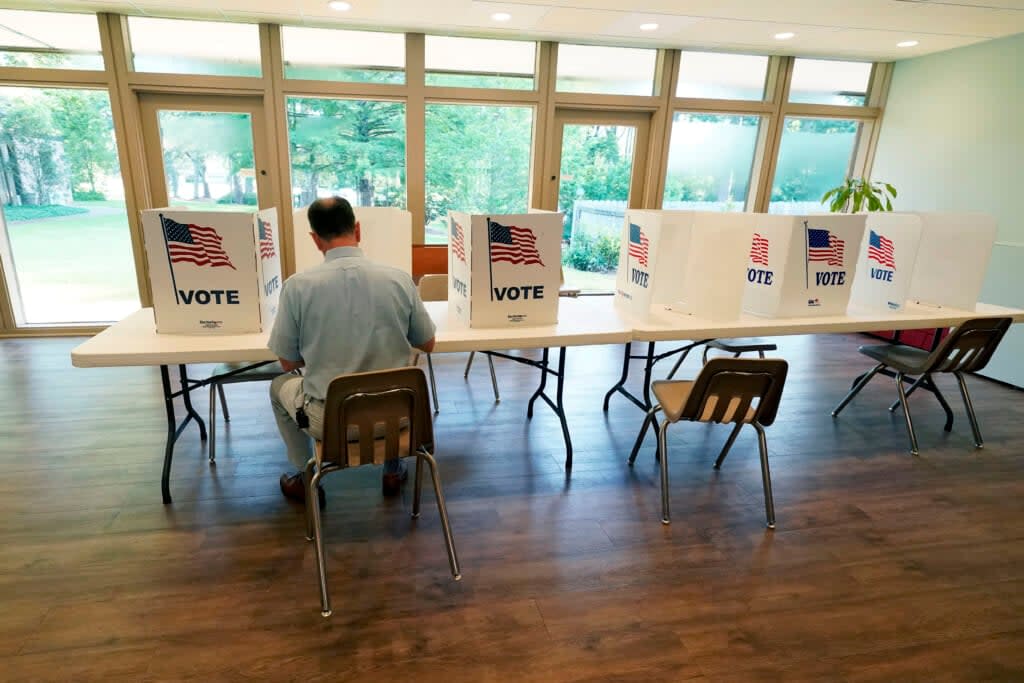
(858, 29)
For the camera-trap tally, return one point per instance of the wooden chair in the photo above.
(968, 348)
(371, 417)
(261, 373)
(724, 392)
(434, 287)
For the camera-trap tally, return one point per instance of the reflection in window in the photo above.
(178, 46)
(351, 148)
(609, 70)
(722, 76)
(64, 236)
(480, 63)
(821, 81)
(814, 156)
(334, 55)
(710, 159)
(49, 40)
(477, 160)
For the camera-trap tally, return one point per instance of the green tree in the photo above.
(84, 119)
(597, 162)
(30, 141)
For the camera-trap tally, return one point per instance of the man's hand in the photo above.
(290, 365)
(427, 346)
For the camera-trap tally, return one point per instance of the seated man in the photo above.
(346, 315)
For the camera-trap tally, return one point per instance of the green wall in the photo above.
(953, 140)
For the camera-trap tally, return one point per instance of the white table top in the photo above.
(666, 325)
(583, 321)
(134, 341)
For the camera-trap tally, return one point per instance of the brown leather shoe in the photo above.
(293, 489)
(391, 482)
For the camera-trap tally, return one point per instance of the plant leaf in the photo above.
(892, 190)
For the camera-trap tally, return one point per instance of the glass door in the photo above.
(599, 172)
(205, 152)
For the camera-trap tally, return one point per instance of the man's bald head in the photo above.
(331, 218)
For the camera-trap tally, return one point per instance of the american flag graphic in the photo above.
(266, 240)
(194, 244)
(824, 246)
(638, 244)
(512, 244)
(759, 250)
(880, 249)
(458, 241)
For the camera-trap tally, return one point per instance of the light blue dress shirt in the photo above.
(347, 315)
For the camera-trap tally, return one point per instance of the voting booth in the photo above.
(649, 238)
(886, 263)
(690, 261)
(213, 271)
(802, 266)
(952, 259)
(386, 237)
(504, 270)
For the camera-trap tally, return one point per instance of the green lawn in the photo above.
(76, 268)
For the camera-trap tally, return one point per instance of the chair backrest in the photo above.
(969, 347)
(726, 387)
(433, 287)
(358, 403)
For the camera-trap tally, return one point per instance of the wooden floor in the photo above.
(884, 567)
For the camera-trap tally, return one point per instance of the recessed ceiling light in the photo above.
(501, 16)
(649, 27)
(907, 43)
(786, 35)
(339, 5)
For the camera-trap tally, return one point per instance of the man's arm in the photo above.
(425, 347)
(421, 327)
(290, 365)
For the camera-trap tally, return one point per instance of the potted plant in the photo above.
(857, 194)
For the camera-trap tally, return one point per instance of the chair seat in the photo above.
(672, 397)
(263, 372)
(742, 345)
(899, 357)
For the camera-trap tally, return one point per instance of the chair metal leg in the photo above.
(728, 444)
(433, 384)
(760, 353)
(913, 387)
(766, 476)
(469, 364)
(942, 402)
(442, 509)
(679, 363)
(223, 402)
(307, 476)
(418, 486)
(318, 538)
(648, 420)
(978, 442)
(211, 445)
(855, 389)
(704, 356)
(906, 413)
(663, 451)
(494, 379)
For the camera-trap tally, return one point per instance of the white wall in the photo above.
(953, 139)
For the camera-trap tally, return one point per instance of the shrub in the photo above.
(32, 212)
(248, 198)
(592, 254)
(88, 196)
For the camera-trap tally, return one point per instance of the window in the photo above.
(477, 160)
(177, 46)
(820, 81)
(710, 159)
(480, 63)
(332, 55)
(609, 70)
(814, 156)
(351, 148)
(722, 76)
(49, 39)
(64, 235)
